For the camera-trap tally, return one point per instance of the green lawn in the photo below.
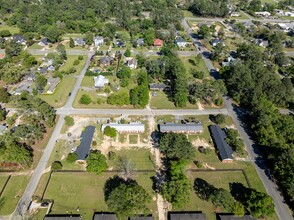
(161, 101)
(85, 190)
(133, 139)
(88, 81)
(3, 179)
(35, 46)
(70, 61)
(192, 63)
(60, 95)
(141, 158)
(12, 193)
(12, 29)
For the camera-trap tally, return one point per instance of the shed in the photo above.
(181, 128)
(86, 141)
(224, 150)
(126, 128)
(186, 216)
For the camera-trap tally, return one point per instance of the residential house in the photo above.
(25, 87)
(86, 141)
(79, 42)
(186, 216)
(20, 39)
(217, 41)
(31, 77)
(180, 42)
(261, 43)
(44, 42)
(51, 68)
(158, 42)
(2, 56)
(235, 14)
(279, 12)
(52, 83)
(126, 128)
(157, 86)
(224, 150)
(263, 13)
(290, 14)
(286, 26)
(63, 217)
(98, 41)
(249, 24)
(2, 40)
(181, 128)
(2, 129)
(43, 70)
(106, 61)
(100, 81)
(229, 61)
(140, 42)
(233, 217)
(119, 43)
(131, 63)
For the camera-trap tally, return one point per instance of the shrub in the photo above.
(56, 165)
(69, 121)
(85, 99)
(109, 131)
(80, 57)
(94, 143)
(71, 157)
(76, 62)
(219, 119)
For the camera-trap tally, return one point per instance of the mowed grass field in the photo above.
(12, 192)
(12, 29)
(86, 192)
(69, 64)
(60, 95)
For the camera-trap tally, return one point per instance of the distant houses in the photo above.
(86, 141)
(217, 41)
(104, 216)
(25, 87)
(189, 128)
(2, 129)
(224, 150)
(140, 42)
(106, 61)
(126, 128)
(100, 81)
(63, 217)
(263, 13)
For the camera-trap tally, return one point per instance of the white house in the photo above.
(126, 128)
(290, 14)
(100, 81)
(132, 63)
(98, 41)
(180, 42)
(235, 14)
(263, 13)
(79, 42)
(44, 42)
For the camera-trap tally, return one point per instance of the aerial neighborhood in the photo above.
(147, 110)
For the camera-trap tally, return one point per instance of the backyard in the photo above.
(69, 64)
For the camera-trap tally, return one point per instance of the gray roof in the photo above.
(157, 86)
(119, 43)
(180, 40)
(52, 82)
(187, 216)
(140, 41)
(218, 136)
(79, 41)
(232, 217)
(104, 216)
(86, 141)
(23, 87)
(105, 60)
(62, 217)
(2, 128)
(19, 38)
(189, 127)
(43, 69)
(44, 41)
(142, 218)
(98, 38)
(248, 24)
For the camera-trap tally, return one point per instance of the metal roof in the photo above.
(135, 127)
(190, 127)
(218, 136)
(86, 141)
(187, 216)
(62, 217)
(104, 216)
(142, 218)
(232, 217)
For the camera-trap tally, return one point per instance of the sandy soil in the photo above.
(201, 142)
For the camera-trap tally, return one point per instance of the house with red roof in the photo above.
(2, 56)
(158, 42)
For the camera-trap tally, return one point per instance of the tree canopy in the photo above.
(96, 162)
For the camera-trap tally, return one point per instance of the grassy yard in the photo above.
(3, 179)
(192, 63)
(141, 158)
(35, 46)
(161, 101)
(12, 193)
(94, 96)
(88, 81)
(69, 64)
(60, 95)
(12, 29)
(85, 190)
(133, 138)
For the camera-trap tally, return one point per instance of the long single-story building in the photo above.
(86, 141)
(63, 217)
(224, 150)
(104, 216)
(142, 218)
(181, 128)
(126, 128)
(233, 217)
(186, 216)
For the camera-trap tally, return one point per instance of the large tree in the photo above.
(96, 162)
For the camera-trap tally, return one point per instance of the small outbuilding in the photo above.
(181, 128)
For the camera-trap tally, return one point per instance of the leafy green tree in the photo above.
(176, 147)
(4, 95)
(56, 165)
(69, 121)
(149, 36)
(220, 119)
(96, 162)
(41, 82)
(85, 99)
(61, 49)
(128, 199)
(124, 75)
(109, 131)
(12, 49)
(127, 53)
(119, 99)
(2, 114)
(53, 34)
(71, 43)
(80, 57)
(89, 38)
(204, 31)
(72, 157)
(76, 62)
(5, 33)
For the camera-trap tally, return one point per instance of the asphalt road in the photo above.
(281, 207)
